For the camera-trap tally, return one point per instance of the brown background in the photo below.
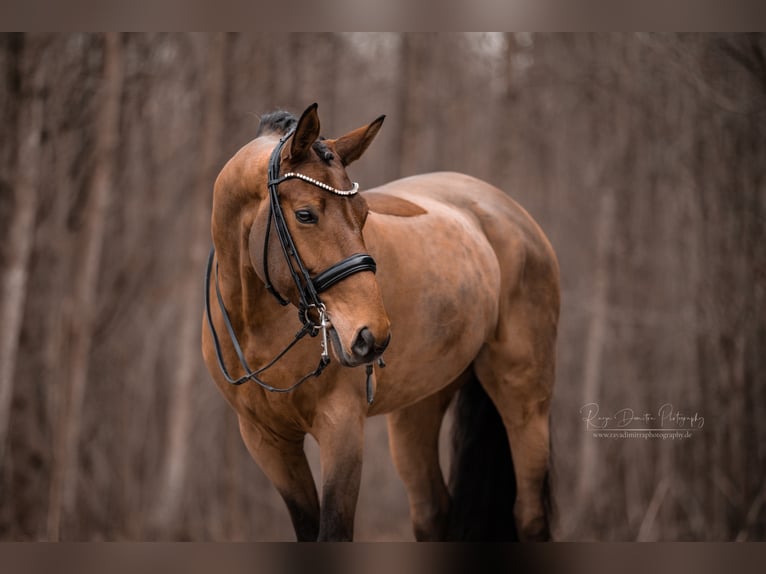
(642, 157)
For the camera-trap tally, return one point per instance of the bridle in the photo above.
(308, 287)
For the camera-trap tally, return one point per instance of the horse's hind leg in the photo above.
(285, 464)
(517, 371)
(414, 441)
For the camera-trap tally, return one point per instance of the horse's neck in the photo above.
(244, 294)
(242, 291)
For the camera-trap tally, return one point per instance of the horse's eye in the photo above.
(306, 216)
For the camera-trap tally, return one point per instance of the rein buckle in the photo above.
(324, 323)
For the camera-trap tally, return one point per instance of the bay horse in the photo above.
(445, 273)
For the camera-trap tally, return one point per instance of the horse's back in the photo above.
(518, 241)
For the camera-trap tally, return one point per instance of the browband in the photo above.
(295, 175)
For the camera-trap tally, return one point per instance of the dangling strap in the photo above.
(370, 391)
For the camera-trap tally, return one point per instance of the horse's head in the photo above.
(326, 228)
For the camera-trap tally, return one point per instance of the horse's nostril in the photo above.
(364, 344)
(384, 345)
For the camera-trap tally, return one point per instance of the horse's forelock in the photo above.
(324, 153)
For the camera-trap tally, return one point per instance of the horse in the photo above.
(407, 295)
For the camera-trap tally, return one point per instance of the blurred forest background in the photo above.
(643, 157)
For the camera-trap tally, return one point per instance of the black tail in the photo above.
(482, 482)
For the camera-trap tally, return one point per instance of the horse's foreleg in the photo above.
(341, 441)
(284, 463)
(414, 440)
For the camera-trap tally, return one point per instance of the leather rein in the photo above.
(308, 287)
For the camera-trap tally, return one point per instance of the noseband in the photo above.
(308, 287)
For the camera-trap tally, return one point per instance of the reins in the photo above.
(308, 287)
(251, 375)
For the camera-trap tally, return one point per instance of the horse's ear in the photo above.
(351, 146)
(306, 133)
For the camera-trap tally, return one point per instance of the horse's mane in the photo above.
(280, 122)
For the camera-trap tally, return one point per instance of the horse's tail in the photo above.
(482, 483)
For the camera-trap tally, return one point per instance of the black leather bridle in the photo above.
(311, 310)
(308, 287)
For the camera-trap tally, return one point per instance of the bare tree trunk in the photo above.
(594, 348)
(502, 154)
(188, 352)
(67, 432)
(331, 64)
(20, 238)
(410, 105)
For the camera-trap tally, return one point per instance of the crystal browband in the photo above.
(292, 174)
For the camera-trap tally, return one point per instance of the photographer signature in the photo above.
(667, 417)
